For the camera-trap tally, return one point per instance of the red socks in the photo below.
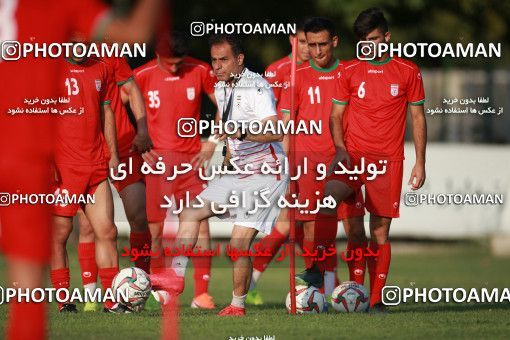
(60, 279)
(371, 263)
(106, 276)
(138, 240)
(308, 245)
(21, 313)
(202, 273)
(157, 264)
(356, 265)
(273, 242)
(87, 259)
(299, 237)
(381, 272)
(325, 236)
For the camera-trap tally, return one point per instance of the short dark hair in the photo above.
(369, 20)
(318, 24)
(230, 39)
(173, 44)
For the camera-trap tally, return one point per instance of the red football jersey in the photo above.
(170, 97)
(314, 89)
(27, 78)
(122, 74)
(378, 94)
(80, 140)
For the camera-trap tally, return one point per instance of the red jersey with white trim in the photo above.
(80, 140)
(170, 97)
(50, 21)
(378, 94)
(278, 74)
(122, 74)
(314, 89)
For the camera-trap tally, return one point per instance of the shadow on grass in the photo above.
(454, 307)
(411, 308)
(269, 306)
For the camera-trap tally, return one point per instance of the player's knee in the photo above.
(138, 222)
(283, 228)
(308, 230)
(203, 232)
(156, 230)
(86, 231)
(379, 236)
(107, 232)
(156, 238)
(61, 231)
(237, 246)
(338, 190)
(188, 215)
(356, 230)
(380, 233)
(239, 243)
(357, 237)
(60, 235)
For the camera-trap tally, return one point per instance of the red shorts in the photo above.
(157, 186)
(135, 175)
(77, 180)
(382, 193)
(25, 229)
(308, 187)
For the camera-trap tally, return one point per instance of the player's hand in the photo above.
(142, 142)
(113, 164)
(204, 156)
(150, 157)
(417, 178)
(340, 156)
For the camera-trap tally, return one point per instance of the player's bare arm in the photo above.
(110, 134)
(207, 150)
(336, 127)
(417, 178)
(142, 141)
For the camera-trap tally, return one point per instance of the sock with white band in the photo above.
(238, 301)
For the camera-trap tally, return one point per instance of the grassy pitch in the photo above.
(456, 265)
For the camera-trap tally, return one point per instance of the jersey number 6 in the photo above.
(361, 90)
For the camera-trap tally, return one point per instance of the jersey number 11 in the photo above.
(317, 94)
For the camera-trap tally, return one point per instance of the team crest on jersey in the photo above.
(190, 92)
(394, 90)
(98, 84)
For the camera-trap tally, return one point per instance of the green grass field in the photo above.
(453, 265)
